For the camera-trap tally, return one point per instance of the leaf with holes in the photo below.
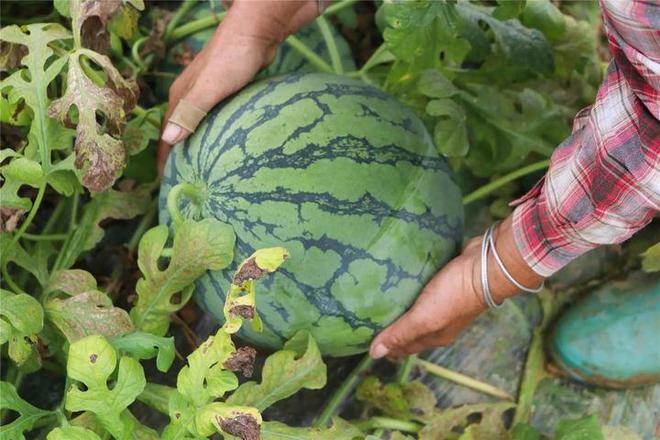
(141, 345)
(29, 415)
(99, 153)
(91, 362)
(240, 302)
(298, 365)
(197, 247)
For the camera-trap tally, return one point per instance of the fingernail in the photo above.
(379, 351)
(172, 134)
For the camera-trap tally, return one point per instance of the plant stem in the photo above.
(73, 220)
(492, 186)
(343, 391)
(403, 374)
(30, 217)
(10, 281)
(141, 112)
(338, 6)
(194, 26)
(305, 51)
(54, 217)
(387, 423)
(462, 379)
(185, 7)
(330, 42)
(373, 60)
(186, 189)
(44, 237)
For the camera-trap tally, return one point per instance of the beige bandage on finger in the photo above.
(187, 115)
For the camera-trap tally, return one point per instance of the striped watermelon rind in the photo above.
(343, 176)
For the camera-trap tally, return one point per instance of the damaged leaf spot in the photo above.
(242, 361)
(248, 271)
(242, 426)
(244, 311)
(93, 357)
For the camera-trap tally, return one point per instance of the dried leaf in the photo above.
(298, 365)
(99, 155)
(239, 421)
(446, 421)
(9, 218)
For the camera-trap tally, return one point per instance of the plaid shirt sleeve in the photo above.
(603, 183)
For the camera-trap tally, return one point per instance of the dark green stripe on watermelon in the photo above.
(347, 179)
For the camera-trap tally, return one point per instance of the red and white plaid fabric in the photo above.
(603, 183)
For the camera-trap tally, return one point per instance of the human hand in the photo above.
(243, 43)
(453, 298)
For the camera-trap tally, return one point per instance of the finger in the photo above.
(404, 331)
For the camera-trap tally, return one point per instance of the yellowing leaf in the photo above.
(240, 421)
(198, 247)
(91, 361)
(298, 365)
(72, 433)
(340, 430)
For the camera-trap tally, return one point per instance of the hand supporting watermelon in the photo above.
(453, 298)
(243, 43)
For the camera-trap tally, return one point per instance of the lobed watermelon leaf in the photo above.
(489, 426)
(85, 310)
(29, 415)
(410, 401)
(141, 345)
(298, 365)
(340, 430)
(72, 433)
(197, 247)
(91, 361)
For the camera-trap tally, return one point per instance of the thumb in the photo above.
(395, 338)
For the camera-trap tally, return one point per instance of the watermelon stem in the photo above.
(195, 26)
(462, 379)
(338, 6)
(386, 423)
(341, 394)
(403, 374)
(185, 7)
(192, 192)
(330, 42)
(308, 53)
(488, 188)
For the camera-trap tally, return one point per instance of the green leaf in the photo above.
(87, 311)
(139, 132)
(62, 7)
(507, 9)
(92, 361)
(523, 431)
(544, 16)
(18, 172)
(141, 345)
(340, 430)
(450, 132)
(434, 84)
(197, 247)
(125, 22)
(585, 428)
(21, 319)
(651, 259)
(410, 401)
(99, 155)
(447, 421)
(34, 91)
(35, 262)
(157, 396)
(298, 365)
(29, 415)
(72, 433)
(204, 378)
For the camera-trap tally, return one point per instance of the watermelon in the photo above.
(342, 175)
(286, 58)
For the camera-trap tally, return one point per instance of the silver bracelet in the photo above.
(504, 270)
(485, 286)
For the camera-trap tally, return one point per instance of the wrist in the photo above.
(513, 261)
